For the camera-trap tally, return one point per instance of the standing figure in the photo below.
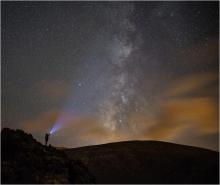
(46, 138)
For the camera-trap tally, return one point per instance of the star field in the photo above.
(119, 70)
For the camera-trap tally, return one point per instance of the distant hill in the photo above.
(148, 162)
(24, 160)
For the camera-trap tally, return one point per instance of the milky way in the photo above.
(114, 70)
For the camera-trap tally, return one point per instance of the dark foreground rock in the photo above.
(149, 162)
(24, 160)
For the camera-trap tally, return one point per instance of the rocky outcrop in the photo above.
(24, 160)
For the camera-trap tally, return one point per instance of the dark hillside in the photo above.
(24, 160)
(148, 162)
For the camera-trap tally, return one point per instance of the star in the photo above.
(79, 84)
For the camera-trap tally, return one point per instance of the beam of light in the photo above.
(62, 121)
(78, 103)
(56, 127)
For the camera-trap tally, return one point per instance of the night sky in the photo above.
(101, 72)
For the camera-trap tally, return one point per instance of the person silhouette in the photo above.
(46, 138)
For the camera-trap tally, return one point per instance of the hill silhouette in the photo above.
(24, 160)
(149, 162)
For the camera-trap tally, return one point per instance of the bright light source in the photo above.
(61, 122)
